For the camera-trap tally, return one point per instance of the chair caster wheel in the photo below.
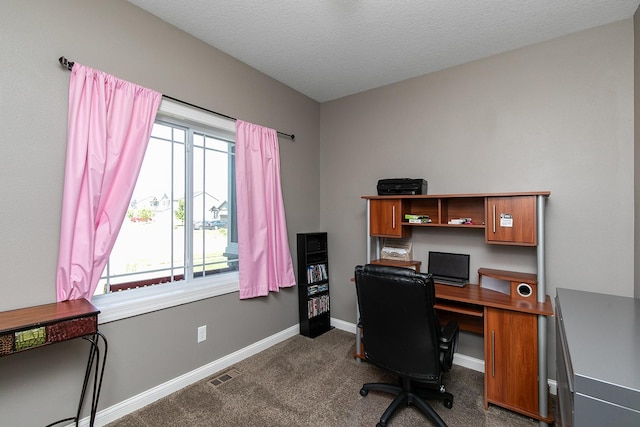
(364, 392)
(381, 424)
(448, 403)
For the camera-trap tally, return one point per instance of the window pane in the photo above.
(210, 205)
(152, 244)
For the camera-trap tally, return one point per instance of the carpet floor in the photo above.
(304, 382)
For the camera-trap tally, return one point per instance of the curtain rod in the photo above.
(69, 65)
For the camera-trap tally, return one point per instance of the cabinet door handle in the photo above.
(494, 218)
(493, 353)
(393, 217)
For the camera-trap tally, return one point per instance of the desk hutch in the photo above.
(512, 319)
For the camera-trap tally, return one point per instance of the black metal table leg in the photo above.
(96, 365)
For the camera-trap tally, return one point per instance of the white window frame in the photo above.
(121, 305)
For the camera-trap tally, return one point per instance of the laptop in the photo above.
(449, 269)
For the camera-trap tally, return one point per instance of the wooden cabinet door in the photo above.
(386, 218)
(512, 220)
(511, 360)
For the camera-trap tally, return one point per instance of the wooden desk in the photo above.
(510, 331)
(525, 227)
(29, 328)
(467, 305)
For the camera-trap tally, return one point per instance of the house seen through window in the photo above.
(181, 221)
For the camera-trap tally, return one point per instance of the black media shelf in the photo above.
(313, 284)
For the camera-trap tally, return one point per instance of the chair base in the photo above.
(406, 395)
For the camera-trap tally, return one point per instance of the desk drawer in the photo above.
(26, 339)
(73, 328)
(6, 344)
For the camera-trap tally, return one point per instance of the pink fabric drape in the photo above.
(263, 247)
(109, 125)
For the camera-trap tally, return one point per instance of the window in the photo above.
(180, 232)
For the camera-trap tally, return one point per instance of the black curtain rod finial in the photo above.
(65, 63)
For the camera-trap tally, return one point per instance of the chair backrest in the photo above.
(401, 331)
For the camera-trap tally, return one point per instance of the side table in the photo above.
(32, 327)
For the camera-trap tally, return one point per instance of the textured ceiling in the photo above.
(328, 49)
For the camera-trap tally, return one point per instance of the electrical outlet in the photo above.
(202, 333)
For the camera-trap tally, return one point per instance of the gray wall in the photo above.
(554, 116)
(40, 386)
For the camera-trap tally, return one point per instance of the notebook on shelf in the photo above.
(449, 268)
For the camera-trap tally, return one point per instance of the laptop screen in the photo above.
(448, 265)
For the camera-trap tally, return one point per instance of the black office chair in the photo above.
(401, 334)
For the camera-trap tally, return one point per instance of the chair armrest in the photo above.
(449, 332)
(448, 344)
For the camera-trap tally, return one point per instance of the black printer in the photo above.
(395, 186)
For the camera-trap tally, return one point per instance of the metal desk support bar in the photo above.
(543, 404)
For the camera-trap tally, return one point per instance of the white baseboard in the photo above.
(344, 326)
(468, 362)
(147, 397)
